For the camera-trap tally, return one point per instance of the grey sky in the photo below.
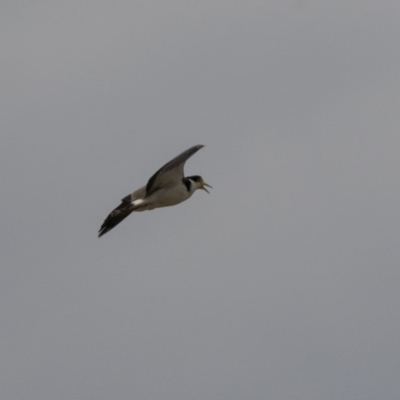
(281, 284)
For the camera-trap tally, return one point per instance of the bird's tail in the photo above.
(115, 217)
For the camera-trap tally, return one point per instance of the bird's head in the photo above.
(198, 183)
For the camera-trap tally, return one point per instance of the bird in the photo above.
(167, 187)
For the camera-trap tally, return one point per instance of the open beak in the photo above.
(204, 185)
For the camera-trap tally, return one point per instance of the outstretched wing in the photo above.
(122, 211)
(170, 173)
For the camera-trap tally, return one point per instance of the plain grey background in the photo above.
(281, 284)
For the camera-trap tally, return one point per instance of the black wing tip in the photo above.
(193, 149)
(101, 233)
(106, 227)
(103, 230)
(114, 218)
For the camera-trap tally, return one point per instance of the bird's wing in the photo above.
(137, 194)
(122, 211)
(171, 172)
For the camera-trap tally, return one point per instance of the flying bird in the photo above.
(167, 187)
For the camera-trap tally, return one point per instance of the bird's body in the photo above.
(167, 187)
(170, 196)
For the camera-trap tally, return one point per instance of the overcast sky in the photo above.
(283, 283)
